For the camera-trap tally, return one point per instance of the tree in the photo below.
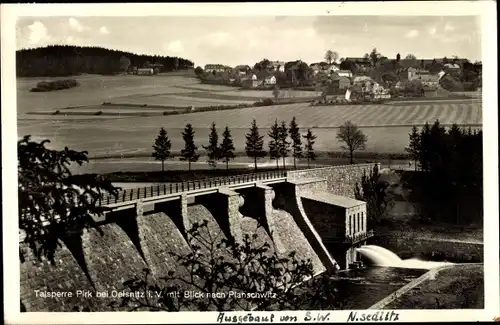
(413, 148)
(353, 137)
(309, 146)
(374, 57)
(254, 144)
(398, 57)
(213, 146)
(198, 70)
(372, 190)
(162, 148)
(331, 56)
(283, 144)
(124, 63)
(190, 151)
(296, 141)
(217, 265)
(274, 143)
(53, 203)
(410, 57)
(276, 93)
(227, 147)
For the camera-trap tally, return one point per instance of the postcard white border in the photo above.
(9, 15)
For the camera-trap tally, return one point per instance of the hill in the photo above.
(65, 60)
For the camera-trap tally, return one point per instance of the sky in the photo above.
(246, 40)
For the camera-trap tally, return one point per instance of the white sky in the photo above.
(248, 39)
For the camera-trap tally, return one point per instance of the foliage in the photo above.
(276, 93)
(409, 88)
(274, 143)
(217, 265)
(213, 146)
(353, 137)
(372, 190)
(413, 147)
(265, 102)
(309, 146)
(66, 60)
(190, 151)
(450, 186)
(226, 150)
(374, 56)
(44, 86)
(124, 63)
(331, 56)
(410, 57)
(53, 202)
(162, 147)
(198, 70)
(283, 144)
(262, 65)
(254, 143)
(296, 141)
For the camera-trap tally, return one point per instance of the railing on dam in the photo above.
(172, 188)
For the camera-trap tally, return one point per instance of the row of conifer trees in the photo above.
(279, 146)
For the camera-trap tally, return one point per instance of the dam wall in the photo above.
(340, 180)
(129, 241)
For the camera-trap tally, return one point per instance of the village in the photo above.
(372, 74)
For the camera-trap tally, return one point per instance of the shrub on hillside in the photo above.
(44, 86)
(265, 102)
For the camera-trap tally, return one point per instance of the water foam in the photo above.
(381, 256)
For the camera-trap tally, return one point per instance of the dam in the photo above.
(312, 212)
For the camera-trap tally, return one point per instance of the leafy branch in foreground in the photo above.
(231, 276)
(52, 201)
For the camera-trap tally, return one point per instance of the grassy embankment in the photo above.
(460, 287)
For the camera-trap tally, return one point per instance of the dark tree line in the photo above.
(279, 145)
(65, 60)
(449, 183)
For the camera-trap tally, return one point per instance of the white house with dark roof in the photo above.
(278, 66)
(217, 68)
(344, 73)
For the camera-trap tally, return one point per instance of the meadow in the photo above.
(386, 126)
(160, 90)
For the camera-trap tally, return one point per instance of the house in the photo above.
(145, 71)
(361, 79)
(331, 68)
(429, 80)
(452, 66)
(316, 67)
(217, 68)
(270, 80)
(157, 67)
(344, 82)
(344, 73)
(278, 66)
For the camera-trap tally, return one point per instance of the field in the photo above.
(386, 125)
(163, 90)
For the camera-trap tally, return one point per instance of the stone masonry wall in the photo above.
(340, 180)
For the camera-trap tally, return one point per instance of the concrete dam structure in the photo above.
(311, 212)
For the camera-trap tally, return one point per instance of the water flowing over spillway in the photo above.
(380, 256)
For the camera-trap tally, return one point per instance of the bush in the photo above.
(265, 102)
(56, 112)
(98, 113)
(44, 86)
